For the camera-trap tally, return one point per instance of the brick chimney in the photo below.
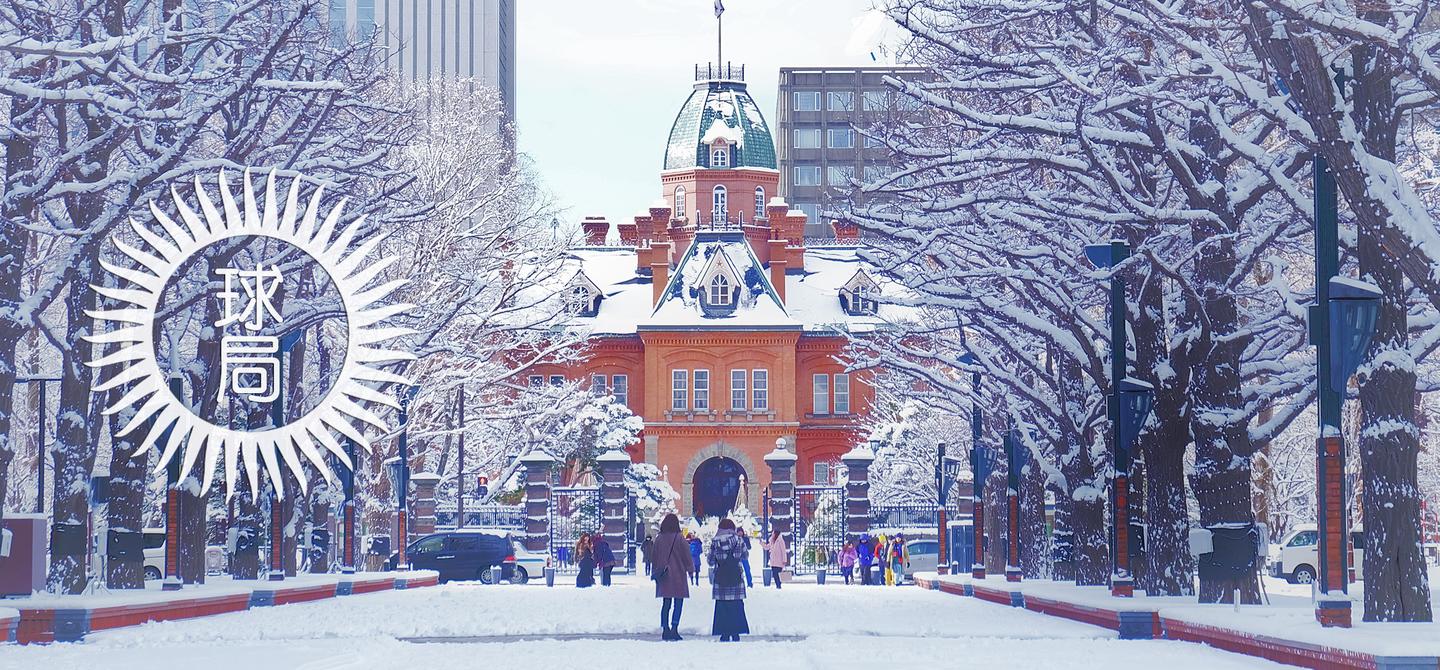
(628, 233)
(644, 230)
(659, 270)
(778, 265)
(846, 231)
(596, 228)
(775, 211)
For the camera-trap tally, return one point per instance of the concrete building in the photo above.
(440, 38)
(819, 151)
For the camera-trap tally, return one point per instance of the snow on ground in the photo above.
(840, 627)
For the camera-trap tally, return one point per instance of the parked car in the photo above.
(924, 555)
(154, 553)
(466, 553)
(1298, 561)
(527, 563)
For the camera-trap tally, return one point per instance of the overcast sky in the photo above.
(600, 81)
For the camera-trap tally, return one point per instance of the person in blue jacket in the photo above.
(696, 548)
(866, 554)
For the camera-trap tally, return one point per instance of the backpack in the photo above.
(728, 574)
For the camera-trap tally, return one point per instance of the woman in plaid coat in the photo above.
(727, 555)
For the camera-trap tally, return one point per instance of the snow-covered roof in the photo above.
(812, 296)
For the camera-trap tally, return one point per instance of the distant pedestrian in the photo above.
(670, 554)
(749, 582)
(727, 554)
(779, 556)
(696, 548)
(865, 556)
(585, 559)
(647, 553)
(899, 559)
(604, 558)
(848, 557)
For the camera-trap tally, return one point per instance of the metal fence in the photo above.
(818, 533)
(915, 518)
(573, 511)
(493, 515)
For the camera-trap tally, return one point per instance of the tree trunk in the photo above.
(1034, 543)
(128, 476)
(73, 453)
(14, 248)
(1063, 538)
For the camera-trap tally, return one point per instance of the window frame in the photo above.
(759, 201)
(721, 283)
(680, 203)
(820, 473)
(719, 202)
(807, 182)
(599, 384)
(760, 390)
(795, 98)
(838, 381)
(815, 133)
(847, 96)
(700, 390)
(620, 388)
(679, 390)
(820, 394)
(536, 381)
(557, 380)
(846, 172)
(874, 101)
(720, 157)
(848, 134)
(739, 390)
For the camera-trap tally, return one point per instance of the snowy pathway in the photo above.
(464, 625)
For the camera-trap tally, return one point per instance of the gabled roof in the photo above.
(758, 306)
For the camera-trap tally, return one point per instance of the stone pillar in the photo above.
(537, 499)
(857, 491)
(612, 466)
(422, 507)
(782, 488)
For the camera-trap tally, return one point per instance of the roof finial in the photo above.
(719, 31)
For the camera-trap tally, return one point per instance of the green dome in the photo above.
(720, 109)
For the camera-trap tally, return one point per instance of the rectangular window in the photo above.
(679, 389)
(557, 380)
(822, 473)
(872, 142)
(841, 138)
(702, 391)
(821, 394)
(873, 101)
(807, 175)
(806, 101)
(812, 211)
(842, 393)
(597, 384)
(760, 390)
(839, 175)
(807, 138)
(536, 381)
(840, 101)
(620, 388)
(738, 391)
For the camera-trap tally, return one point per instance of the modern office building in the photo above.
(819, 150)
(440, 38)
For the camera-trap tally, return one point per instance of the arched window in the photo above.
(579, 302)
(679, 202)
(720, 156)
(759, 201)
(719, 290)
(719, 204)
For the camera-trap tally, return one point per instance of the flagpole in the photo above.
(719, 33)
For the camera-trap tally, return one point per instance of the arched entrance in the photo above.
(717, 486)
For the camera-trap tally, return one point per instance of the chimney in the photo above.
(659, 270)
(778, 265)
(628, 236)
(775, 211)
(596, 228)
(847, 232)
(644, 229)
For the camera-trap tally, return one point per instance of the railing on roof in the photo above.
(719, 72)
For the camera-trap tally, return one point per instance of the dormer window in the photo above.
(719, 290)
(860, 296)
(720, 156)
(582, 298)
(864, 300)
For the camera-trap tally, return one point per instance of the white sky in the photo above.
(600, 81)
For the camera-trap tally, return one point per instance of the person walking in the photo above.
(696, 548)
(865, 556)
(898, 559)
(745, 537)
(779, 556)
(727, 554)
(604, 558)
(647, 552)
(847, 560)
(670, 554)
(585, 560)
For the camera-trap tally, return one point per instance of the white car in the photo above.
(924, 555)
(1298, 561)
(527, 563)
(154, 553)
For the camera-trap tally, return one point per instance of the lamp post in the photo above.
(1342, 322)
(172, 502)
(347, 563)
(399, 468)
(947, 470)
(979, 469)
(277, 419)
(460, 463)
(1012, 505)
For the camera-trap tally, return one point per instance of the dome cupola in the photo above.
(719, 126)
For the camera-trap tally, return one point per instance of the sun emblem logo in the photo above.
(247, 357)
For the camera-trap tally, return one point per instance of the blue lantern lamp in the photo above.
(1353, 306)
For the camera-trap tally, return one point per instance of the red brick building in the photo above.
(712, 319)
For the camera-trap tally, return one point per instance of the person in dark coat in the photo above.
(604, 558)
(585, 560)
(647, 550)
(671, 556)
(727, 554)
(745, 537)
(865, 554)
(696, 548)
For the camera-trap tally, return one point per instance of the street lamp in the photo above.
(978, 468)
(1105, 256)
(395, 467)
(277, 419)
(947, 470)
(347, 564)
(1012, 505)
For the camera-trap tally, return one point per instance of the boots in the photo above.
(671, 635)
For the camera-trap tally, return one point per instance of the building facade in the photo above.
(820, 151)
(712, 319)
(439, 38)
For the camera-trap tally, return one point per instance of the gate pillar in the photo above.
(423, 505)
(857, 491)
(782, 488)
(537, 499)
(613, 464)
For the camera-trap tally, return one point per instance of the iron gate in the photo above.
(818, 533)
(573, 511)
